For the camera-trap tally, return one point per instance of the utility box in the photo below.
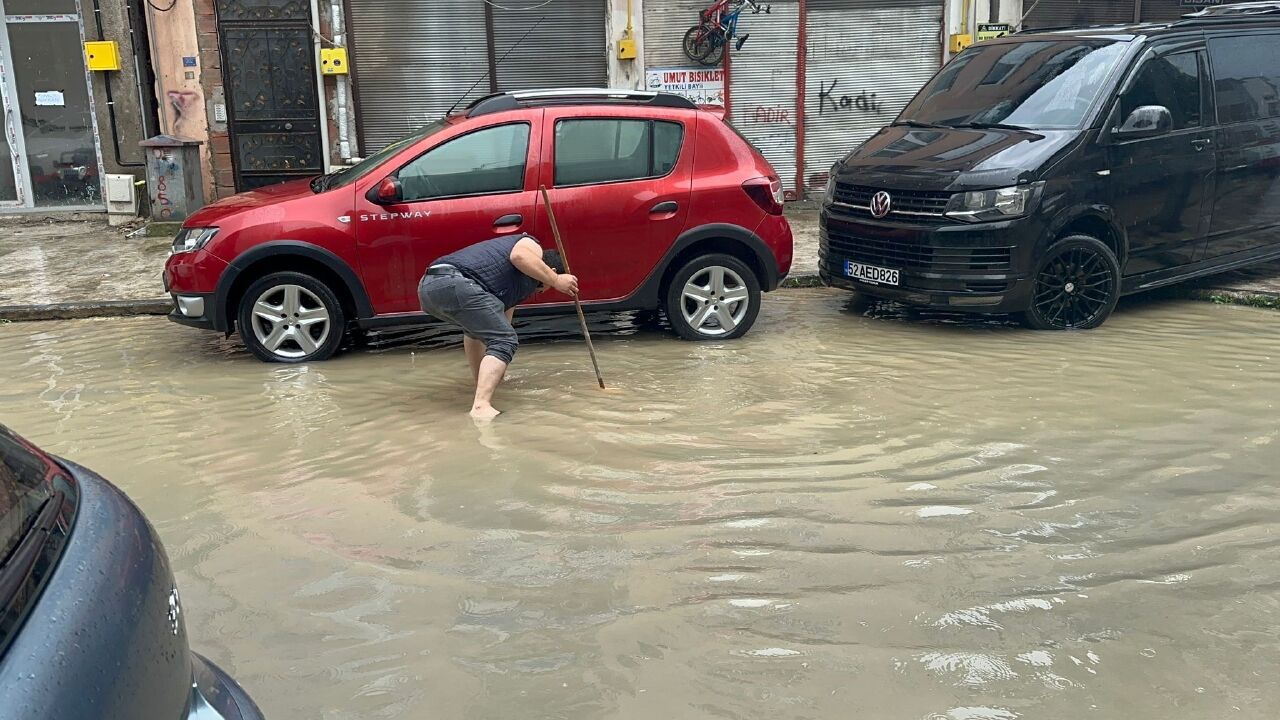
(122, 199)
(333, 61)
(102, 55)
(173, 177)
(627, 49)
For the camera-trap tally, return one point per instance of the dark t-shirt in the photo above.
(489, 263)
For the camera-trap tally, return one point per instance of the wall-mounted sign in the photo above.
(188, 61)
(704, 86)
(993, 30)
(51, 98)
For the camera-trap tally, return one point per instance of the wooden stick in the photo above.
(582, 319)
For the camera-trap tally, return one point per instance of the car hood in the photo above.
(252, 200)
(903, 158)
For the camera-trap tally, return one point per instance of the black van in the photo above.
(1048, 173)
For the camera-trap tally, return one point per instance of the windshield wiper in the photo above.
(990, 126)
(319, 183)
(919, 124)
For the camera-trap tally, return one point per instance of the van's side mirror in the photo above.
(1146, 122)
(387, 192)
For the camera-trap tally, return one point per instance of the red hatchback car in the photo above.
(661, 204)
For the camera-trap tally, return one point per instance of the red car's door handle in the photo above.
(508, 220)
(664, 208)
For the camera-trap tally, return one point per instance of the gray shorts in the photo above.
(464, 303)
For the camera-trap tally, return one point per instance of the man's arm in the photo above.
(527, 257)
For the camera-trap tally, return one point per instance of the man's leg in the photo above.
(492, 370)
(474, 348)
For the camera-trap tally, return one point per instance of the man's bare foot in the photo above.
(484, 412)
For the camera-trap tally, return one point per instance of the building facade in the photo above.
(814, 79)
(66, 127)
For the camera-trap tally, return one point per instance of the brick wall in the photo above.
(219, 148)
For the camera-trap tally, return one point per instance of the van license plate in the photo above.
(870, 273)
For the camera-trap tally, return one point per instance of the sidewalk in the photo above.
(54, 270)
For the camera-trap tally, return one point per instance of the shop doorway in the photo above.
(49, 154)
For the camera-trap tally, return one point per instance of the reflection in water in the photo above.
(874, 514)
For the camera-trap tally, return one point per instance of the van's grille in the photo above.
(909, 256)
(907, 204)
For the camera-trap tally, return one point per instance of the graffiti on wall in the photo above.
(165, 171)
(770, 115)
(830, 100)
(184, 108)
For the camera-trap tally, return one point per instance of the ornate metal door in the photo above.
(273, 115)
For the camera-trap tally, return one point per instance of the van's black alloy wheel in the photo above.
(1076, 286)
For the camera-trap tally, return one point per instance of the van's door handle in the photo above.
(664, 208)
(508, 220)
(1201, 143)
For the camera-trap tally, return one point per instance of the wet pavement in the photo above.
(837, 516)
(77, 262)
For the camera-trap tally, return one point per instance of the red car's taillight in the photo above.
(766, 192)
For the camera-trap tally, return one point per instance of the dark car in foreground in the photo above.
(91, 624)
(1049, 173)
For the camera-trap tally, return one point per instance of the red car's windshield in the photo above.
(364, 167)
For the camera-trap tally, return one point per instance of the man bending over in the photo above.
(478, 288)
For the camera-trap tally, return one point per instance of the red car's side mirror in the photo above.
(388, 192)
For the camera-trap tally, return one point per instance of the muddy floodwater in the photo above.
(839, 516)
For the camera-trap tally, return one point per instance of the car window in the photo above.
(1172, 81)
(610, 150)
(1247, 70)
(484, 162)
(24, 487)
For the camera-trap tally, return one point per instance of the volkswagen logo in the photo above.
(881, 204)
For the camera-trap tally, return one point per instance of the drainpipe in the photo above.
(802, 59)
(339, 39)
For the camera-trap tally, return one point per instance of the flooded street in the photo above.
(838, 516)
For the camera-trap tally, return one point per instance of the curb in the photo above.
(1224, 296)
(163, 306)
(801, 281)
(85, 309)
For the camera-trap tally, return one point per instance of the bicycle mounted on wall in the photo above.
(718, 25)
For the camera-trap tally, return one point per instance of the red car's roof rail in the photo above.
(499, 102)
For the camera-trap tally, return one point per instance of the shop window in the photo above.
(593, 151)
(1172, 81)
(1248, 77)
(484, 162)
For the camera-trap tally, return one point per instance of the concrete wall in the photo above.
(130, 109)
(625, 73)
(180, 88)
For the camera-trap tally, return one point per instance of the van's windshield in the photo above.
(1036, 84)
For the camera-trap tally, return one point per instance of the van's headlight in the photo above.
(190, 239)
(831, 189)
(988, 205)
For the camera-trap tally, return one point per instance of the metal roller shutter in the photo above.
(665, 23)
(1164, 10)
(567, 49)
(1068, 13)
(865, 63)
(763, 86)
(412, 61)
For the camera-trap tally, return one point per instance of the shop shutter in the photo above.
(1165, 10)
(1076, 13)
(567, 49)
(763, 86)
(665, 23)
(870, 59)
(412, 61)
